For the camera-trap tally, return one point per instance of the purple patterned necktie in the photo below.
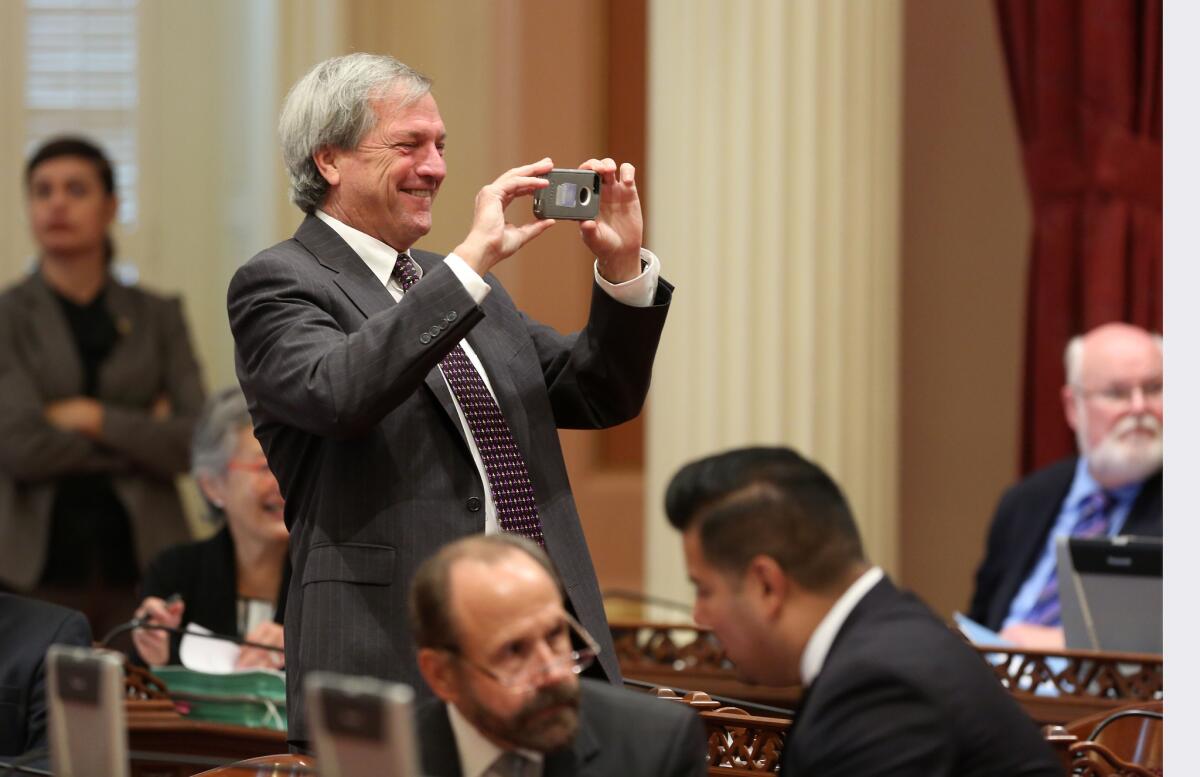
(1094, 515)
(512, 489)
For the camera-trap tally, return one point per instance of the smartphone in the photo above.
(86, 690)
(360, 725)
(572, 194)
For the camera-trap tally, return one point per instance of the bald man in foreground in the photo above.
(1113, 400)
(503, 655)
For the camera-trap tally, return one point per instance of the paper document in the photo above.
(202, 653)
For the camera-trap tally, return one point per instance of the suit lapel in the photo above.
(1037, 529)
(60, 372)
(351, 273)
(439, 749)
(127, 320)
(1145, 516)
(575, 761)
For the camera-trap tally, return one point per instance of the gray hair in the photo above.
(215, 438)
(1073, 356)
(331, 106)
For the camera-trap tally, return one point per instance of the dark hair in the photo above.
(771, 502)
(76, 147)
(82, 149)
(429, 596)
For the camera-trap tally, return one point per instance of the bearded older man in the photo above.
(1113, 401)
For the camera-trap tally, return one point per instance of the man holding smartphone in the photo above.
(401, 398)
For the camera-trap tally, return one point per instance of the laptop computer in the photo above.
(1110, 590)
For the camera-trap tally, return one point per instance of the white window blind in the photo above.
(81, 79)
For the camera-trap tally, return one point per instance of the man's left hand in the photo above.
(615, 236)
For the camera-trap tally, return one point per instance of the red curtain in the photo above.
(1086, 83)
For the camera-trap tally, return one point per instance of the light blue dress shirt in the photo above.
(1083, 486)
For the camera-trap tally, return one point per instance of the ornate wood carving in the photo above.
(1062, 685)
(738, 743)
(1052, 686)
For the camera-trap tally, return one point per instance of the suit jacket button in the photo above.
(435, 330)
(425, 338)
(451, 316)
(474, 503)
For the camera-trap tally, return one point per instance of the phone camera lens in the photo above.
(585, 194)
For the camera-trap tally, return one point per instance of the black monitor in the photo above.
(1110, 589)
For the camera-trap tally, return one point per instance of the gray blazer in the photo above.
(39, 363)
(360, 429)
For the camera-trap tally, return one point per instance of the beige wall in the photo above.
(965, 234)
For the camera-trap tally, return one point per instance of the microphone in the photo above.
(144, 623)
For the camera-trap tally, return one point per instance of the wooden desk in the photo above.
(155, 726)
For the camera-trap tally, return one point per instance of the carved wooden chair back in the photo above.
(1127, 741)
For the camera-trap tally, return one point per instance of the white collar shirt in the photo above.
(477, 753)
(812, 660)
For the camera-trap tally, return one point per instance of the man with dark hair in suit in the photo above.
(401, 398)
(496, 646)
(28, 628)
(1113, 401)
(781, 579)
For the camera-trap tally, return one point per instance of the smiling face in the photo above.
(69, 209)
(249, 493)
(386, 186)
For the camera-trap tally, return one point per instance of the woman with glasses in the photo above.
(231, 583)
(100, 390)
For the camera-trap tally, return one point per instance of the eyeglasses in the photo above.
(258, 467)
(520, 671)
(1151, 391)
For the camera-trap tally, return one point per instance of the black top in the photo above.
(205, 574)
(90, 537)
(902, 695)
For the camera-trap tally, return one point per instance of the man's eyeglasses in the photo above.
(1151, 391)
(520, 670)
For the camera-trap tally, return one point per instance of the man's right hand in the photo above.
(152, 645)
(492, 239)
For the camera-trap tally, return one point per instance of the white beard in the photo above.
(1122, 457)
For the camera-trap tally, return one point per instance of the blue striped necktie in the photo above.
(1095, 513)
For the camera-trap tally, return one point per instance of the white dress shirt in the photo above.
(477, 753)
(813, 658)
(380, 259)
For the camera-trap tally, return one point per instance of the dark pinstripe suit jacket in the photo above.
(360, 429)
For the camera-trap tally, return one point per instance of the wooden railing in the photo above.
(738, 743)
(1052, 686)
(689, 658)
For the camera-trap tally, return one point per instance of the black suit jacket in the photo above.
(27, 628)
(620, 733)
(1022, 523)
(205, 574)
(900, 694)
(360, 429)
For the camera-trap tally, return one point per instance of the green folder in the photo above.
(253, 698)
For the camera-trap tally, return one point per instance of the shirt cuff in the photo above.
(477, 287)
(638, 292)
